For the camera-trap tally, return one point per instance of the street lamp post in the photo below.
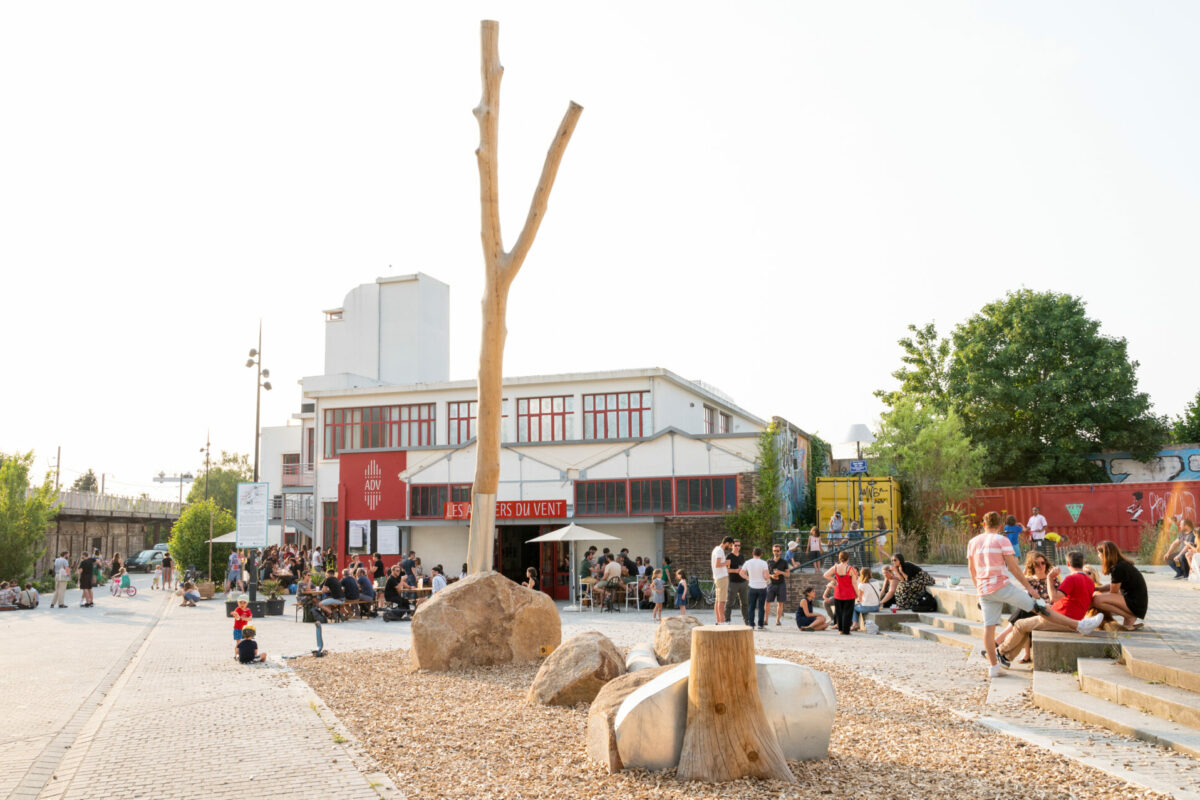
(255, 360)
(205, 449)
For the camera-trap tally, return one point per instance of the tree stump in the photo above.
(727, 735)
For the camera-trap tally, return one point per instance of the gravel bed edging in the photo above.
(470, 734)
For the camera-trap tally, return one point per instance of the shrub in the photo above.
(189, 538)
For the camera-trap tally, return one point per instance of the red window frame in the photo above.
(460, 421)
(329, 521)
(616, 415)
(363, 427)
(544, 419)
(724, 422)
(710, 419)
(602, 498)
(702, 494)
(427, 500)
(642, 493)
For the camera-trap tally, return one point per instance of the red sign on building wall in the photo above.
(513, 509)
(373, 489)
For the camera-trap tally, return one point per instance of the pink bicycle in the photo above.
(115, 588)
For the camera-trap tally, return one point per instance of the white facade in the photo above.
(622, 450)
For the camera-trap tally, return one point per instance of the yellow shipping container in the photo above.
(880, 498)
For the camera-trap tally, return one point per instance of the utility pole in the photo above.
(57, 468)
(205, 449)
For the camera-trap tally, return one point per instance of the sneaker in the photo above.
(1003, 659)
(994, 671)
(762, 627)
(1089, 624)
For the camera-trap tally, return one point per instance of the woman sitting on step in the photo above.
(1126, 595)
(913, 581)
(1039, 574)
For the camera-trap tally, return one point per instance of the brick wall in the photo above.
(124, 537)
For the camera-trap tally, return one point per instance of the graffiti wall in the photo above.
(793, 464)
(1097, 511)
(1180, 462)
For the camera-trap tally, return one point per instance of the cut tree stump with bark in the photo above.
(727, 735)
(500, 268)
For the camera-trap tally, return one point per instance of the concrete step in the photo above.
(940, 635)
(1162, 664)
(1109, 680)
(1060, 693)
(953, 624)
(958, 601)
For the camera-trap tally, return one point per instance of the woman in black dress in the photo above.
(1126, 595)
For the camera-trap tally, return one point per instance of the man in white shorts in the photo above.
(991, 560)
(720, 573)
(1037, 528)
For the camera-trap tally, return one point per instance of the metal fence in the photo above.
(74, 502)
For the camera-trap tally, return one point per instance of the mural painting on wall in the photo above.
(1153, 507)
(1174, 463)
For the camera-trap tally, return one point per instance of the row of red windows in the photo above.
(633, 497)
(613, 415)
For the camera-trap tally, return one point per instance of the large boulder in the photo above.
(798, 701)
(577, 670)
(483, 619)
(601, 738)
(673, 639)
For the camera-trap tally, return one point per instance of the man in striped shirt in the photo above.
(991, 560)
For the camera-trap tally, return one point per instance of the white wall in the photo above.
(440, 544)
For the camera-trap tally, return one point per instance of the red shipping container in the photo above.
(1093, 512)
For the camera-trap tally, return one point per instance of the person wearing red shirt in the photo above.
(241, 615)
(1072, 598)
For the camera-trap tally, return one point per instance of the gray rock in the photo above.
(641, 656)
(483, 619)
(673, 639)
(577, 670)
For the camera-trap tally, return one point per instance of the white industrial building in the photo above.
(382, 454)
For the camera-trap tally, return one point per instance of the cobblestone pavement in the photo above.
(140, 698)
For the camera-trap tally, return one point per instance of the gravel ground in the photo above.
(471, 734)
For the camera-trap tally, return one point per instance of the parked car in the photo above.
(145, 561)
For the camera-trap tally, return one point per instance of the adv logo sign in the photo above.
(373, 486)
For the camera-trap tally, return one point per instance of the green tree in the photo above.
(223, 479)
(756, 521)
(189, 537)
(926, 370)
(1186, 427)
(931, 456)
(86, 483)
(819, 452)
(24, 516)
(1039, 386)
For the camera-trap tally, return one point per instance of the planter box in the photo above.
(275, 607)
(206, 589)
(257, 607)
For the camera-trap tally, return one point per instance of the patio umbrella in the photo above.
(225, 537)
(572, 533)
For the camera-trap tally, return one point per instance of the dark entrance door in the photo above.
(513, 555)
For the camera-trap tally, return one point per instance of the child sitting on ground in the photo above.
(246, 649)
(241, 616)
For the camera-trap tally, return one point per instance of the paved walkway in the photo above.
(140, 698)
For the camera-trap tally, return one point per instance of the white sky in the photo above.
(759, 195)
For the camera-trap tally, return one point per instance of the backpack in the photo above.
(394, 615)
(694, 592)
(925, 602)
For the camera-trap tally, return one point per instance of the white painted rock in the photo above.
(641, 657)
(601, 738)
(483, 619)
(577, 670)
(673, 639)
(799, 703)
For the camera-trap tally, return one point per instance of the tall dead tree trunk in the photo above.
(500, 269)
